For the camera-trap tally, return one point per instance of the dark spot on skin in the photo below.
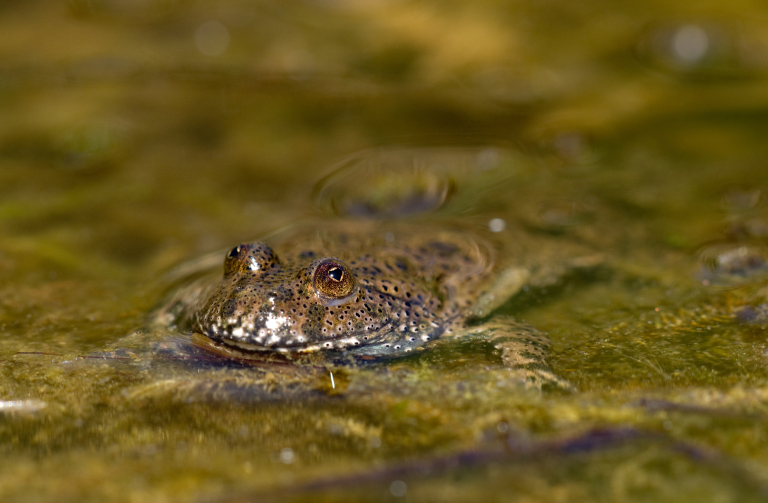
(229, 308)
(315, 313)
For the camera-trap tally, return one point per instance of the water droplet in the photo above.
(212, 38)
(497, 225)
(398, 488)
(690, 43)
(287, 456)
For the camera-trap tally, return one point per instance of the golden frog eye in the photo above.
(249, 257)
(333, 279)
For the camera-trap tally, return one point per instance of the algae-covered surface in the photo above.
(138, 137)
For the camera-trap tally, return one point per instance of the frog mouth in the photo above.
(269, 341)
(338, 344)
(385, 343)
(386, 339)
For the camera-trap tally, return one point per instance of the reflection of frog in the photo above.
(376, 288)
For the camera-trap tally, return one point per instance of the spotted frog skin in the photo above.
(373, 289)
(356, 292)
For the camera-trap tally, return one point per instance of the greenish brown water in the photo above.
(135, 137)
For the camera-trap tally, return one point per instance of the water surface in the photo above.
(138, 136)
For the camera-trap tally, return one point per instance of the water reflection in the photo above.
(407, 181)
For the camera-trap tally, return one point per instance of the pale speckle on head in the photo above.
(359, 291)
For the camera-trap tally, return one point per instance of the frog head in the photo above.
(309, 302)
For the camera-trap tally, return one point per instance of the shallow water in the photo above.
(139, 136)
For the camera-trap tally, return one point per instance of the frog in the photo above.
(403, 257)
(362, 290)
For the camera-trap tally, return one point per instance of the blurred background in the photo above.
(130, 128)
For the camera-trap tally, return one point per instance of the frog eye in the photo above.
(334, 279)
(248, 257)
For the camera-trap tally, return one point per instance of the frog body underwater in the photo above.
(375, 288)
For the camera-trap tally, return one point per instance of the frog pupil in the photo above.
(336, 274)
(234, 252)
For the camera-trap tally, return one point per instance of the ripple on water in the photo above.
(394, 182)
(733, 264)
